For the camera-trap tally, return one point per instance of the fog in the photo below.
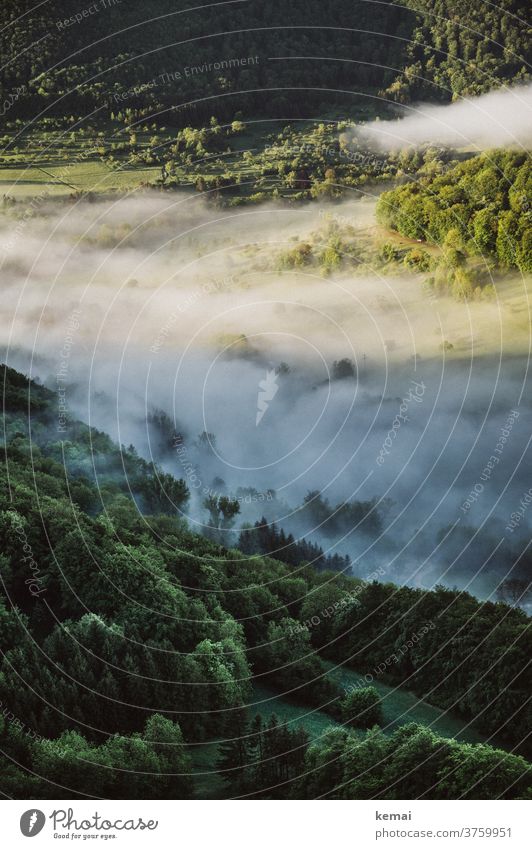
(502, 118)
(148, 304)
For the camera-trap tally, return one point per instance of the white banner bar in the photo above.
(268, 824)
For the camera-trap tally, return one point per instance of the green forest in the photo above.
(418, 49)
(90, 679)
(477, 207)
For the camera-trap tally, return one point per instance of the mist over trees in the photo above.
(441, 48)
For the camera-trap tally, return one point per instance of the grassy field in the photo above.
(208, 784)
(266, 702)
(60, 162)
(399, 707)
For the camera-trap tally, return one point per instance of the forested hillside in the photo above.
(64, 61)
(127, 639)
(257, 216)
(105, 54)
(463, 48)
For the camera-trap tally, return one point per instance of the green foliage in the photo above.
(223, 511)
(462, 49)
(265, 538)
(386, 621)
(163, 493)
(297, 257)
(289, 662)
(145, 65)
(478, 206)
(331, 256)
(411, 763)
(263, 760)
(153, 764)
(110, 698)
(444, 48)
(417, 260)
(388, 252)
(361, 708)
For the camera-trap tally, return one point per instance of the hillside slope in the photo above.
(123, 633)
(63, 61)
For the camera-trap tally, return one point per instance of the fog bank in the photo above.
(159, 304)
(502, 118)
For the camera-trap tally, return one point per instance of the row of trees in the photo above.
(411, 763)
(265, 538)
(151, 764)
(276, 761)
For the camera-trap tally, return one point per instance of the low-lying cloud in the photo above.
(158, 303)
(502, 118)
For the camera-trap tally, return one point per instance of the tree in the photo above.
(234, 755)
(485, 230)
(223, 511)
(453, 255)
(206, 441)
(324, 765)
(362, 708)
(292, 665)
(480, 772)
(331, 256)
(164, 493)
(462, 287)
(166, 740)
(479, 204)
